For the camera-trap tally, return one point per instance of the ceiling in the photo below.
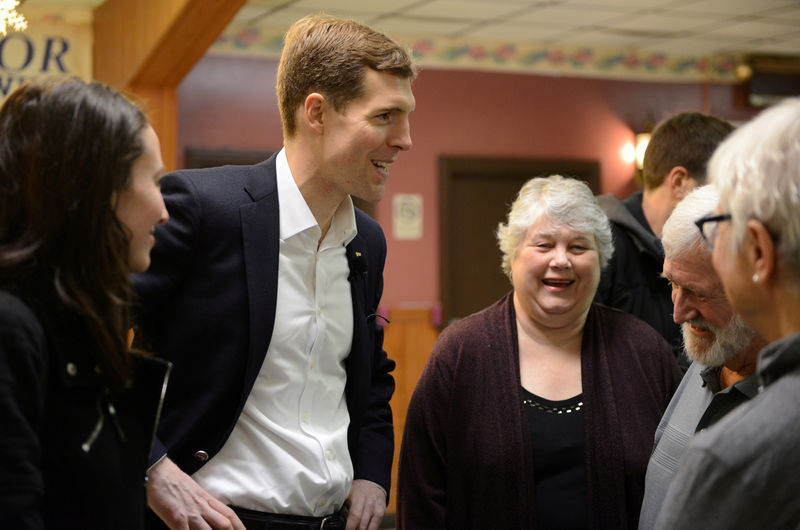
(672, 27)
(676, 28)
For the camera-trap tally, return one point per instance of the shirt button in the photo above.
(313, 364)
(201, 456)
(306, 417)
(328, 455)
(72, 369)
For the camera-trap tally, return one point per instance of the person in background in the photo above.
(674, 163)
(264, 291)
(723, 349)
(538, 411)
(742, 472)
(79, 200)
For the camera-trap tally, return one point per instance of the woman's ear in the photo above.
(760, 250)
(313, 111)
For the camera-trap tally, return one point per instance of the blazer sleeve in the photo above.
(174, 248)
(375, 450)
(22, 391)
(170, 258)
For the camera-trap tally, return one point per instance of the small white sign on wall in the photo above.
(407, 216)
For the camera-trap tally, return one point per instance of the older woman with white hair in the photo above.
(539, 410)
(743, 472)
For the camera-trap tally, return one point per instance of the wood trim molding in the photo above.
(146, 47)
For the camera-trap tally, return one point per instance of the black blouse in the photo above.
(559, 467)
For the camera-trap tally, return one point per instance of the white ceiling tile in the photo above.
(356, 6)
(265, 3)
(568, 16)
(248, 13)
(516, 3)
(628, 5)
(515, 32)
(282, 18)
(461, 10)
(751, 30)
(732, 7)
(705, 16)
(666, 23)
(411, 26)
(597, 38)
(787, 14)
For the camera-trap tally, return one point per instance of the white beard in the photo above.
(726, 345)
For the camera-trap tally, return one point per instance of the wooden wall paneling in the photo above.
(147, 47)
(161, 106)
(408, 340)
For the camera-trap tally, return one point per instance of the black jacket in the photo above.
(632, 279)
(70, 455)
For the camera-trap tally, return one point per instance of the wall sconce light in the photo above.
(9, 18)
(628, 153)
(744, 71)
(641, 144)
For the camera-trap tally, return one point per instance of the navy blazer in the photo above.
(207, 303)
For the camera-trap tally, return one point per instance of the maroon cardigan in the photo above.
(467, 458)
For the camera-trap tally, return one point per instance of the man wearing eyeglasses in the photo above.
(674, 163)
(723, 349)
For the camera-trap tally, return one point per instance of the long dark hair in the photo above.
(66, 151)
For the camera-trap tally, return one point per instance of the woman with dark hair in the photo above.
(79, 200)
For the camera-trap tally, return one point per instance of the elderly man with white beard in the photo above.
(723, 350)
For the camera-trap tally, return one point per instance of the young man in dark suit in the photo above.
(263, 292)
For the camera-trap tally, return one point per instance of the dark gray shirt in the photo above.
(743, 471)
(698, 397)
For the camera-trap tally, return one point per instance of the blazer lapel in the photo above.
(260, 221)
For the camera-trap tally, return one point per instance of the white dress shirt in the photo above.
(288, 450)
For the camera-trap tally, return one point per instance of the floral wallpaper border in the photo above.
(530, 58)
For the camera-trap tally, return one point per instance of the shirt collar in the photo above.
(778, 359)
(296, 216)
(747, 386)
(343, 225)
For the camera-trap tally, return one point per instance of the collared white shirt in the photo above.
(288, 450)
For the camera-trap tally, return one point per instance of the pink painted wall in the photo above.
(230, 103)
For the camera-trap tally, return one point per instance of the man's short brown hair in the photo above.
(687, 140)
(330, 56)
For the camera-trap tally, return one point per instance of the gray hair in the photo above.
(680, 234)
(565, 202)
(757, 174)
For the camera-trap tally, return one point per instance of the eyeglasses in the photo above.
(708, 226)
